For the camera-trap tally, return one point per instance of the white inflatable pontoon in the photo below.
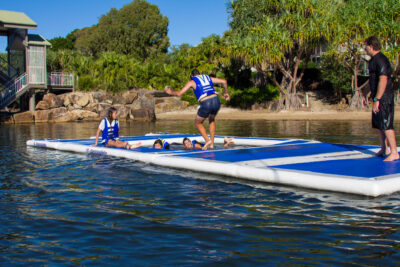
(310, 164)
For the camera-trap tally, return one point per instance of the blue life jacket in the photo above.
(109, 133)
(204, 86)
(194, 144)
(165, 144)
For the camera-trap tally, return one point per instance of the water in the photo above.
(67, 209)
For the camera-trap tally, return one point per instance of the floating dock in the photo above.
(295, 162)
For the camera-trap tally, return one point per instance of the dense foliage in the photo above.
(263, 56)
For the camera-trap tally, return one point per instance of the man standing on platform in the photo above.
(380, 83)
(203, 86)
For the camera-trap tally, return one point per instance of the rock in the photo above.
(158, 93)
(165, 104)
(99, 108)
(67, 100)
(84, 115)
(24, 117)
(130, 96)
(57, 113)
(63, 116)
(77, 99)
(81, 100)
(42, 115)
(124, 112)
(42, 105)
(53, 100)
(76, 106)
(92, 107)
(100, 97)
(118, 99)
(144, 114)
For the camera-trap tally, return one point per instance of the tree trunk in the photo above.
(356, 100)
(292, 101)
(288, 87)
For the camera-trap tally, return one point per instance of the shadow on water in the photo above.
(60, 208)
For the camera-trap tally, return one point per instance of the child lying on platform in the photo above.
(109, 127)
(188, 145)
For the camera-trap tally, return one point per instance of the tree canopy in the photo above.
(137, 29)
(264, 55)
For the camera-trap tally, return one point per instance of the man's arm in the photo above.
(224, 83)
(383, 79)
(190, 84)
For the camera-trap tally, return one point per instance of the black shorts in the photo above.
(209, 107)
(383, 120)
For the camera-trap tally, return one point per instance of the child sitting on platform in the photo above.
(109, 127)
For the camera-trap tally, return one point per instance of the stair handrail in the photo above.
(17, 85)
(8, 66)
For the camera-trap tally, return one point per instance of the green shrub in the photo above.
(246, 97)
(85, 83)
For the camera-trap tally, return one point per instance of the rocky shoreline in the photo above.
(136, 104)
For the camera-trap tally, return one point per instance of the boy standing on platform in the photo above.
(203, 86)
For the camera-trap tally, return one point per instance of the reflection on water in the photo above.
(60, 208)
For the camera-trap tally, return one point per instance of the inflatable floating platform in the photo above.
(295, 162)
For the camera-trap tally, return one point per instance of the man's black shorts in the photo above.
(209, 107)
(383, 120)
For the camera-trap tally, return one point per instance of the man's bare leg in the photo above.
(202, 130)
(211, 121)
(391, 137)
(384, 148)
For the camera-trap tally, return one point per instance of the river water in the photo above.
(68, 209)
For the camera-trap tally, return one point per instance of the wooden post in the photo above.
(32, 101)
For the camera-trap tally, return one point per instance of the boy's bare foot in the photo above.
(135, 145)
(382, 153)
(228, 141)
(206, 145)
(392, 157)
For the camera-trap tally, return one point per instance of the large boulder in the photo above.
(77, 99)
(81, 114)
(145, 100)
(42, 105)
(166, 104)
(124, 112)
(81, 100)
(24, 117)
(118, 100)
(58, 113)
(158, 93)
(143, 114)
(130, 96)
(53, 100)
(101, 96)
(42, 115)
(62, 115)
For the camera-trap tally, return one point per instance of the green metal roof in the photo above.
(37, 39)
(15, 19)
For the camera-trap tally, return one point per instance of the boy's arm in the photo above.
(224, 83)
(190, 84)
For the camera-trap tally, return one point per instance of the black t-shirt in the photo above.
(380, 65)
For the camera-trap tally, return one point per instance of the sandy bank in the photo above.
(237, 114)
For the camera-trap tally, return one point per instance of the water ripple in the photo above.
(60, 208)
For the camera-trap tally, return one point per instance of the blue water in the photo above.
(68, 209)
